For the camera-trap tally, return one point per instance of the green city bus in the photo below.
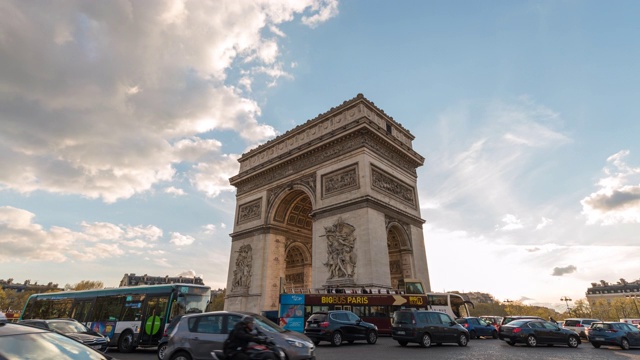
(130, 316)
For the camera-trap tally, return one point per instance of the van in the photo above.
(427, 328)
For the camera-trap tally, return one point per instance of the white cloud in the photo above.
(618, 199)
(181, 240)
(511, 222)
(174, 191)
(108, 104)
(544, 222)
(213, 177)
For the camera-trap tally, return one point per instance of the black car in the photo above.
(508, 319)
(73, 329)
(427, 328)
(537, 332)
(338, 325)
(27, 342)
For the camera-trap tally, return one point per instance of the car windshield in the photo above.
(45, 345)
(402, 317)
(67, 327)
(268, 325)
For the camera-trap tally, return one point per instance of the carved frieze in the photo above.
(340, 181)
(390, 185)
(342, 146)
(250, 211)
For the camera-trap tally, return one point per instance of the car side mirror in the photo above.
(358, 321)
(452, 323)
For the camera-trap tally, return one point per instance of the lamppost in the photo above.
(508, 302)
(566, 301)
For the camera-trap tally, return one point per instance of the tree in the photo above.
(217, 301)
(85, 285)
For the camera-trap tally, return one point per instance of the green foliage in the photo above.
(13, 300)
(513, 308)
(86, 285)
(616, 309)
(217, 302)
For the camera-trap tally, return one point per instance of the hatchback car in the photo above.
(336, 326)
(195, 336)
(579, 325)
(614, 333)
(427, 328)
(478, 327)
(537, 332)
(73, 329)
(27, 342)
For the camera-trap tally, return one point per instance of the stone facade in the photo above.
(332, 202)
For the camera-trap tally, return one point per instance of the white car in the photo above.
(579, 325)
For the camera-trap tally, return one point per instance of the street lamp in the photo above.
(566, 301)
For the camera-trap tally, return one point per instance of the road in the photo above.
(481, 349)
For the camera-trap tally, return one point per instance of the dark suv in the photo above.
(338, 325)
(426, 328)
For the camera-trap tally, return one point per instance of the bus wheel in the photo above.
(125, 342)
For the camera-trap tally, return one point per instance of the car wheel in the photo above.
(595, 345)
(426, 341)
(624, 344)
(372, 337)
(125, 342)
(494, 334)
(532, 341)
(336, 338)
(402, 343)
(473, 335)
(573, 342)
(462, 340)
(162, 348)
(181, 356)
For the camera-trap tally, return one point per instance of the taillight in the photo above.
(578, 325)
(466, 325)
(516, 330)
(324, 324)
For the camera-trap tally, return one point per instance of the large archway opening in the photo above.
(400, 253)
(293, 215)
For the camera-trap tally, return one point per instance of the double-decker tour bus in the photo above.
(371, 305)
(130, 316)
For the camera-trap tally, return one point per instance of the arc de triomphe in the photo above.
(332, 202)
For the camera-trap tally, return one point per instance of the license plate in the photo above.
(97, 347)
(313, 325)
(599, 339)
(401, 332)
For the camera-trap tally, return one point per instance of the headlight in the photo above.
(295, 343)
(107, 338)
(281, 354)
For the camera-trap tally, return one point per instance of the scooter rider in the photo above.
(236, 345)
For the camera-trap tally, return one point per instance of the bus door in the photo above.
(153, 320)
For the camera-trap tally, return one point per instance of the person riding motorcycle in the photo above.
(235, 346)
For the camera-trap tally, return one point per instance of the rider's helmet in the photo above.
(247, 319)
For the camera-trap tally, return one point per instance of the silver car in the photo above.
(197, 335)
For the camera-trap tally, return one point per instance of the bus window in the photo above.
(437, 300)
(108, 308)
(359, 310)
(81, 310)
(132, 308)
(378, 311)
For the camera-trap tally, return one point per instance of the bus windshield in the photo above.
(458, 306)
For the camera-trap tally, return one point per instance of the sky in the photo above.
(121, 123)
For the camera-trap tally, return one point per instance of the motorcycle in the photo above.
(266, 349)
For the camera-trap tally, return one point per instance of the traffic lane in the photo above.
(481, 349)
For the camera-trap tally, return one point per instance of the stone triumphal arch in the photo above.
(332, 202)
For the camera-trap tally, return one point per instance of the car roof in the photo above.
(221, 312)
(7, 329)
